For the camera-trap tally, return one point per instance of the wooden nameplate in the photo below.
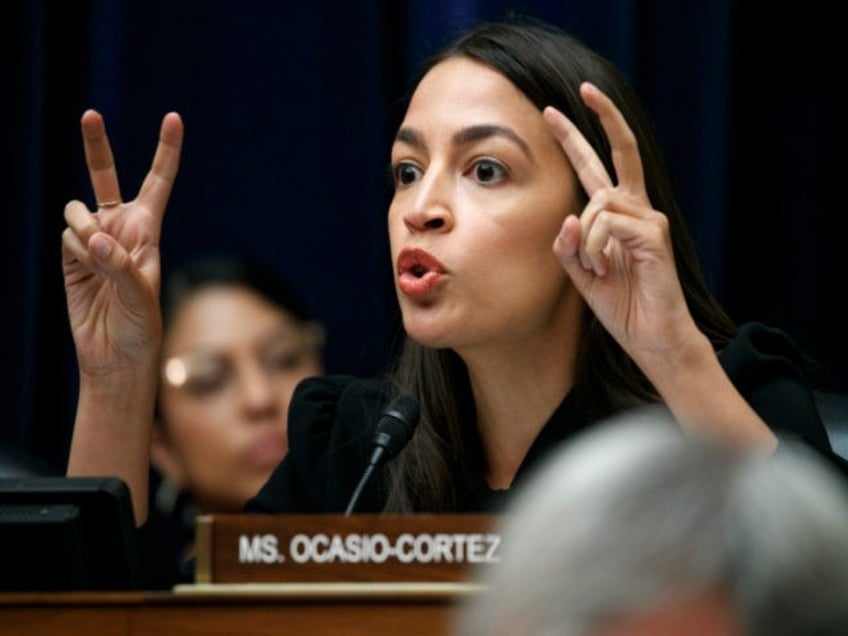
(253, 548)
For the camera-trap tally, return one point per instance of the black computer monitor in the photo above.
(67, 533)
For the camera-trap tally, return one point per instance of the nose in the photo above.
(258, 394)
(430, 207)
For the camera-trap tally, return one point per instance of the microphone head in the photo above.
(395, 427)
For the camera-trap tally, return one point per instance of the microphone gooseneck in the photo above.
(394, 430)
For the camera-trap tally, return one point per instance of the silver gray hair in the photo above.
(635, 514)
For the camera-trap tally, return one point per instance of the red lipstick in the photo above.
(418, 272)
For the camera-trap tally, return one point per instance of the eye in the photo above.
(406, 173)
(206, 382)
(285, 360)
(488, 171)
(197, 377)
(290, 353)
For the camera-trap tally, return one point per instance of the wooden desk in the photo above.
(252, 609)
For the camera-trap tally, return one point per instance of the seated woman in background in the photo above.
(236, 342)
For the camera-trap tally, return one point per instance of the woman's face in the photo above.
(482, 189)
(231, 362)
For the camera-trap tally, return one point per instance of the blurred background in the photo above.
(290, 108)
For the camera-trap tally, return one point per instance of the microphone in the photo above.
(393, 432)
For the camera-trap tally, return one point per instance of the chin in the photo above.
(431, 343)
(427, 336)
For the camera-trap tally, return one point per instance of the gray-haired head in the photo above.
(635, 515)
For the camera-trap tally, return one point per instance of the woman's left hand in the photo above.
(618, 253)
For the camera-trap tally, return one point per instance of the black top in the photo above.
(332, 418)
(331, 423)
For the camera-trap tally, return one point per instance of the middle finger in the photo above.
(625, 149)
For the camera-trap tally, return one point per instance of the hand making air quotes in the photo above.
(110, 257)
(619, 255)
(110, 261)
(618, 252)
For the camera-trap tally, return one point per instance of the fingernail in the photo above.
(101, 247)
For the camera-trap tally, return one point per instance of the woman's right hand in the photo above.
(110, 257)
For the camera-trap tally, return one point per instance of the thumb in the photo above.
(113, 261)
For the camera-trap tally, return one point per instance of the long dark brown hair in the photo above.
(548, 66)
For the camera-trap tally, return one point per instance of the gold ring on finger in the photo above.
(105, 205)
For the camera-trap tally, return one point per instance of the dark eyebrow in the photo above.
(410, 136)
(467, 136)
(476, 133)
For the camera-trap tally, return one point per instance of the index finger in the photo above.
(99, 159)
(159, 181)
(625, 149)
(588, 166)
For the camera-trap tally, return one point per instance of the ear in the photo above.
(165, 458)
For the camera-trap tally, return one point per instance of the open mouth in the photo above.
(418, 263)
(418, 272)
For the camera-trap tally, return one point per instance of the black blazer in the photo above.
(332, 418)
